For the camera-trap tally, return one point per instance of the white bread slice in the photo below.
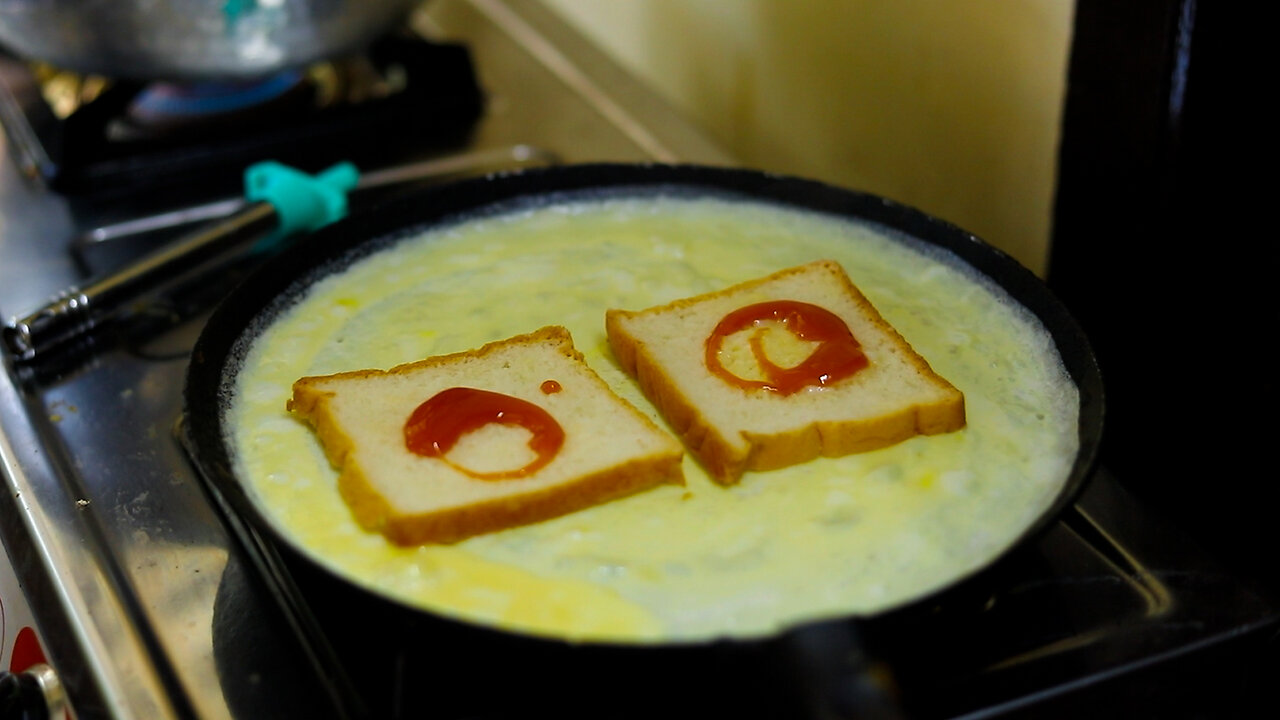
(610, 448)
(732, 429)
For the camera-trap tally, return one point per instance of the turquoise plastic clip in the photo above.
(303, 203)
(233, 9)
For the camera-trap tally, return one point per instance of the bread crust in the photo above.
(727, 451)
(527, 502)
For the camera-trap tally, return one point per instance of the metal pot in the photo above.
(191, 39)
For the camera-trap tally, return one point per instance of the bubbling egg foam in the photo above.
(831, 537)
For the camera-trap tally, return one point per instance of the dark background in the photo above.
(1163, 248)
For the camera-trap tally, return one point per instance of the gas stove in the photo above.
(92, 135)
(148, 604)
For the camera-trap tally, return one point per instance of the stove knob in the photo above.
(33, 694)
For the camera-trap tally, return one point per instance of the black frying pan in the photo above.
(412, 662)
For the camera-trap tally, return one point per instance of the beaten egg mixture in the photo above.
(830, 537)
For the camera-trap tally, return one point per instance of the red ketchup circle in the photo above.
(838, 355)
(437, 425)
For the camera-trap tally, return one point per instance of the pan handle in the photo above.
(33, 694)
(281, 201)
(836, 676)
(278, 201)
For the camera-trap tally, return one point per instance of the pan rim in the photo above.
(457, 202)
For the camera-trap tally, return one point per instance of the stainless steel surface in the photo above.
(148, 605)
(571, 98)
(190, 39)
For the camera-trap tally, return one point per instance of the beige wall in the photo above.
(949, 106)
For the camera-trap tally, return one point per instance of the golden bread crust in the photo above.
(728, 450)
(508, 505)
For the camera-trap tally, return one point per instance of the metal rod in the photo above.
(78, 310)
(163, 221)
(441, 167)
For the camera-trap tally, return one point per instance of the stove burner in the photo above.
(162, 102)
(161, 110)
(404, 95)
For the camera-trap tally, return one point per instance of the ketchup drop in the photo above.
(550, 387)
(838, 355)
(436, 425)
